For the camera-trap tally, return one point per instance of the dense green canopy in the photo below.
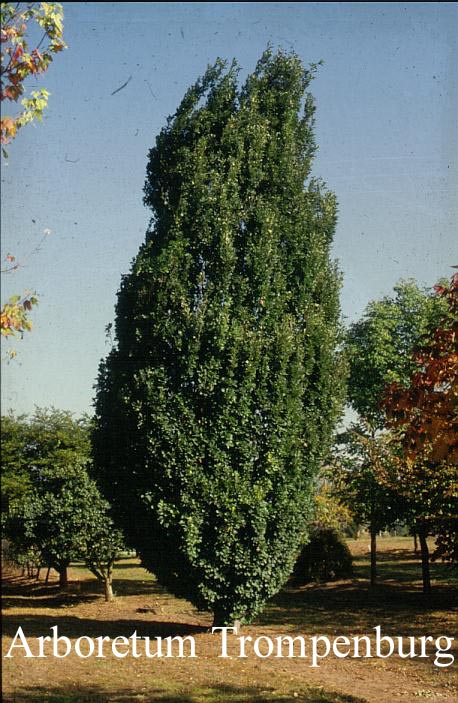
(218, 399)
(380, 346)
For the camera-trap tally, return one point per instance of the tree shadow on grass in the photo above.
(210, 694)
(134, 587)
(349, 607)
(396, 603)
(403, 566)
(59, 600)
(74, 627)
(20, 592)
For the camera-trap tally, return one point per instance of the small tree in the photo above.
(52, 508)
(218, 399)
(380, 347)
(65, 519)
(425, 413)
(325, 558)
(100, 542)
(358, 472)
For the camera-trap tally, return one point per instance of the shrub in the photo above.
(325, 558)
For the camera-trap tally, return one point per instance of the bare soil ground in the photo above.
(343, 608)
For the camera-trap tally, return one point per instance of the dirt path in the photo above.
(340, 609)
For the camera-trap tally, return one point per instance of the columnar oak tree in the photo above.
(219, 396)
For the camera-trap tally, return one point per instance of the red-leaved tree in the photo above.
(426, 415)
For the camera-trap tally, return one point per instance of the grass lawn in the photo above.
(344, 608)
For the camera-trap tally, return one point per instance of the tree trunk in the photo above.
(415, 542)
(373, 556)
(220, 620)
(63, 577)
(47, 576)
(37, 577)
(424, 560)
(108, 586)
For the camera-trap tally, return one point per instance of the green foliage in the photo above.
(361, 462)
(325, 558)
(49, 439)
(66, 519)
(330, 511)
(15, 467)
(380, 345)
(218, 399)
(53, 509)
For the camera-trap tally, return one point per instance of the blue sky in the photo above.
(386, 127)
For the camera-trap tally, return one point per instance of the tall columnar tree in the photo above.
(216, 403)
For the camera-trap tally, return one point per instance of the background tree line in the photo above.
(398, 461)
(395, 465)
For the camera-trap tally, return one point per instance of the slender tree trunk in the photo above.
(63, 577)
(220, 620)
(47, 575)
(108, 574)
(373, 556)
(415, 542)
(108, 587)
(37, 577)
(422, 534)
